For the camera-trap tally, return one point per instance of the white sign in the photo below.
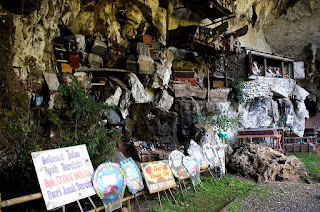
(64, 175)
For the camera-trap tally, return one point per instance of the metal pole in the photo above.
(95, 208)
(173, 196)
(80, 206)
(146, 199)
(167, 197)
(137, 203)
(159, 200)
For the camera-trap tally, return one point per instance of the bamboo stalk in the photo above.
(123, 200)
(19, 200)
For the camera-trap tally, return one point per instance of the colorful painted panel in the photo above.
(132, 172)
(195, 150)
(193, 168)
(175, 163)
(109, 182)
(211, 155)
(158, 176)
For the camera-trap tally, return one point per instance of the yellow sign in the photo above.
(158, 176)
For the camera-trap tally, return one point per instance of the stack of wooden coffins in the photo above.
(73, 52)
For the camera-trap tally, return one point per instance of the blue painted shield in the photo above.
(193, 168)
(133, 175)
(109, 182)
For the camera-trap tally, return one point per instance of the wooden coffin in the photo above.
(131, 63)
(65, 68)
(186, 90)
(145, 66)
(192, 81)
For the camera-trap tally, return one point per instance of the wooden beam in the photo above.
(123, 200)
(270, 56)
(104, 70)
(19, 200)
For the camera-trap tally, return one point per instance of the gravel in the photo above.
(281, 197)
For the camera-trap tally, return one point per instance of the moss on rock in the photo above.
(13, 100)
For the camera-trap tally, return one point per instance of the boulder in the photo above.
(113, 117)
(99, 47)
(55, 101)
(256, 113)
(165, 101)
(187, 111)
(124, 102)
(287, 111)
(95, 60)
(115, 98)
(300, 93)
(155, 125)
(137, 90)
(163, 71)
(67, 79)
(83, 79)
(205, 134)
(266, 164)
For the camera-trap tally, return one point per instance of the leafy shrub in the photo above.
(237, 95)
(218, 119)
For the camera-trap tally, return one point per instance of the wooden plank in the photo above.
(98, 83)
(104, 70)
(117, 81)
(264, 66)
(258, 136)
(261, 54)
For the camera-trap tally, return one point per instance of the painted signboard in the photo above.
(132, 172)
(195, 150)
(109, 182)
(158, 176)
(193, 168)
(64, 175)
(211, 155)
(221, 155)
(175, 163)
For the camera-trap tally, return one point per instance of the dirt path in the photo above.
(280, 197)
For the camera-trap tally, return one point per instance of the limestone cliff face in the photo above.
(112, 21)
(286, 27)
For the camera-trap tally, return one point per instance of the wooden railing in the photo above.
(310, 139)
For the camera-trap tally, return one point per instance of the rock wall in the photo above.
(287, 27)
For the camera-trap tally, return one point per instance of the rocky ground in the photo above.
(280, 197)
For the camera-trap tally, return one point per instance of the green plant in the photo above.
(218, 119)
(86, 113)
(26, 169)
(237, 94)
(312, 169)
(212, 196)
(53, 116)
(83, 105)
